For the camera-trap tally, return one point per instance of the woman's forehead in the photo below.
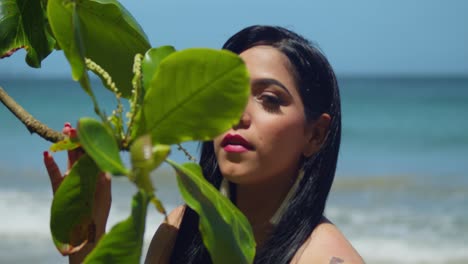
(266, 62)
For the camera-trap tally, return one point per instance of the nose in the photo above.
(245, 120)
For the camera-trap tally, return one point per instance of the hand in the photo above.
(102, 197)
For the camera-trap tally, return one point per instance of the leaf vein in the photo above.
(189, 97)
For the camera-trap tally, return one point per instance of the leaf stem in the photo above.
(84, 82)
(31, 123)
(187, 153)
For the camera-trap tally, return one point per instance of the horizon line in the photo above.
(63, 77)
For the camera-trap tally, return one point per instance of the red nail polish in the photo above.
(67, 124)
(46, 154)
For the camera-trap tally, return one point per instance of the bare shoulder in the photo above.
(175, 216)
(328, 245)
(160, 248)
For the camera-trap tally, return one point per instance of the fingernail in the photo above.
(67, 124)
(46, 154)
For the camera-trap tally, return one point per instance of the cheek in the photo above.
(217, 140)
(216, 144)
(283, 136)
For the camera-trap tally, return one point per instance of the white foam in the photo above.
(397, 235)
(380, 235)
(27, 214)
(24, 214)
(375, 250)
(396, 221)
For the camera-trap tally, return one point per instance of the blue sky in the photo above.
(364, 37)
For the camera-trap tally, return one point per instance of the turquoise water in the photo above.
(400, 193)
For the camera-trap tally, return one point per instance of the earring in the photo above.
(274, 220)
(224, 188)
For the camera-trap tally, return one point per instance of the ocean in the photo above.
(400, 191)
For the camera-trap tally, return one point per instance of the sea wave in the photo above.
(438, 186)
(390, 251)
(26, 215)
(381, 235)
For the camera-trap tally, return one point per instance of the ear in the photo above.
(316, 132)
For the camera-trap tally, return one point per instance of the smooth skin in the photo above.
(275, 125)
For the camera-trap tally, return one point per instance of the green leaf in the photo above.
(225, 231)
(98, 141)
(196, 94)
(158, 205)
(65, 144)
(65, 25)
(152, 59)
(73, 204)
(23, 25)
(145, 157)
(102, 30)
(124, 242)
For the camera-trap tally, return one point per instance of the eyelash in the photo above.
(269, 102)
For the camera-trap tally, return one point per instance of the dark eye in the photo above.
(269, 101)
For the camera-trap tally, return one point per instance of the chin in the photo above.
(234, 174)
(240, 176)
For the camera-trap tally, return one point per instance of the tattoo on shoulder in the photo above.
(336, 260)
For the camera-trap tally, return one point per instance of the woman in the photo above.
(278, 162)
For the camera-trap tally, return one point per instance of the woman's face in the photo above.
(272, 134)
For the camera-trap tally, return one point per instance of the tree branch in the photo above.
(32, 124)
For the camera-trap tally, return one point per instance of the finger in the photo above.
(104, 180)
(103, 198)
(53, 170)
(67, 128)
(103, 187)
(75, 154)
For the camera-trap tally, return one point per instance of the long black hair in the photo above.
(318, 89)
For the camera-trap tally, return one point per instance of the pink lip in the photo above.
(235, 148)
(235, 143)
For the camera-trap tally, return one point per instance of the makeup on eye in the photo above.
(268, 82)
(269, 99)
(270, 102)
(270, 93)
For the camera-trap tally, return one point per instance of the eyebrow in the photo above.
(269, 81)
